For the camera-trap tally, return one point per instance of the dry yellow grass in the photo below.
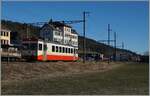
(25, 70)
(68, 78)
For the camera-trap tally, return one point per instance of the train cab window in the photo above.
(53, 48)
(33, 46)
(40, 46)
(63, 50)
(25, 46)
(56, 48)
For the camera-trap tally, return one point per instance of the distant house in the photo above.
(9, 37)
(60, 33)
(8, 47)
(5, 37)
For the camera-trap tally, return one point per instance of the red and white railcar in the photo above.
(36, 49)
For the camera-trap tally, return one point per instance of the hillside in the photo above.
(91, 45)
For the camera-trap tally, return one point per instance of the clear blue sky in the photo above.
(128, 19)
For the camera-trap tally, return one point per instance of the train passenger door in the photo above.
(40, 51)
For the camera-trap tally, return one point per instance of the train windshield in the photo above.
(30, 46)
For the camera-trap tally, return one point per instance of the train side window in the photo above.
(63, 50)
(60, 49)
(75, 51)
(56, 48)
(71, 50)
(67, 50)
(53, 48)
(40, 46)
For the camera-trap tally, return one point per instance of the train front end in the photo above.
(29, 49)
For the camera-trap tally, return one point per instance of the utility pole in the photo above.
(122, 45)
(84, 41)
(122, 48)
(115, 42)
(27, 31)
(109, 43)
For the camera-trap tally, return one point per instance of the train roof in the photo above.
(56, 43)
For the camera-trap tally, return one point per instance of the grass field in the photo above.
(127, 79)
